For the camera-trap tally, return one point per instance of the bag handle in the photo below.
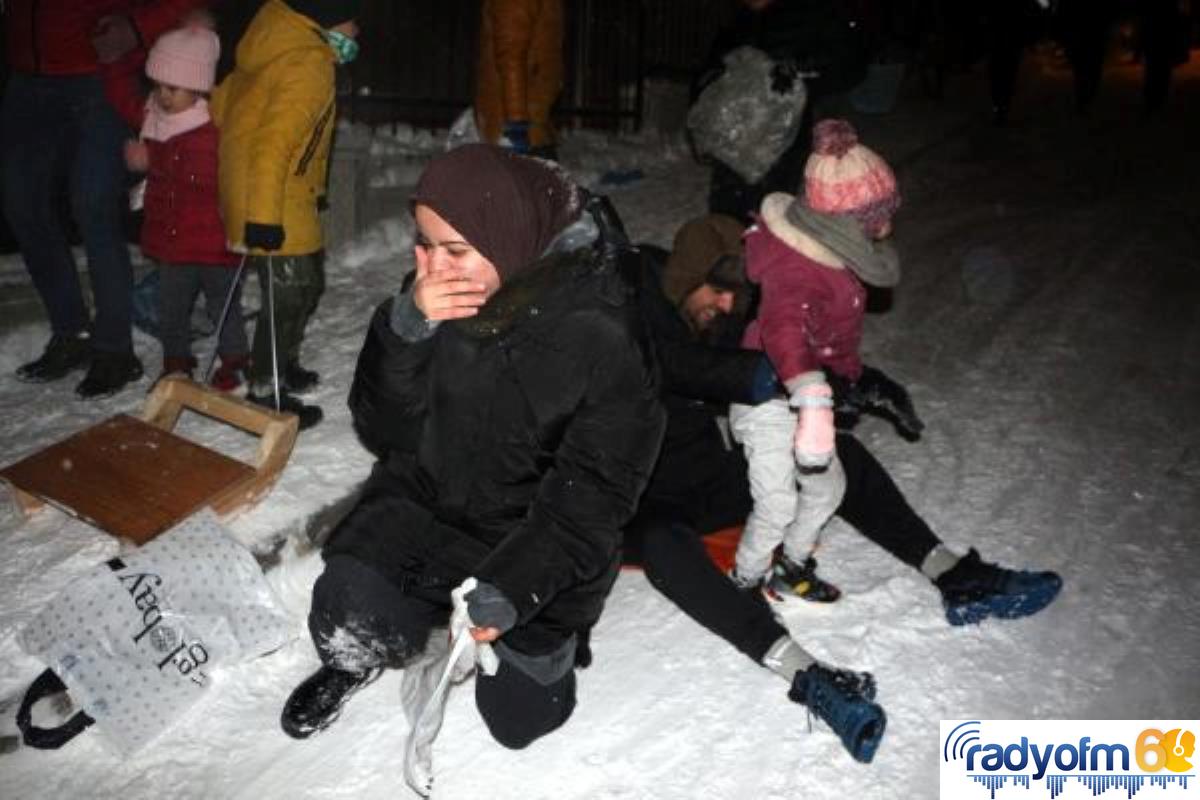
(44, 685)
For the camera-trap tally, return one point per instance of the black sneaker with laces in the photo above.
(64, 353)
(108, 374)
(789, 579)
(845, 700)
(306, 414)
(974, 589)
(298, 379)
(317, 702)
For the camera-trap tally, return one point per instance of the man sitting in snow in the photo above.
(693, 299)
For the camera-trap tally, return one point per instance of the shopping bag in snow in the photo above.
(750, 115)
(136, 640)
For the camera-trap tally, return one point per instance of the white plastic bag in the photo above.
(137, 639)
(463, 131)
(742, 120)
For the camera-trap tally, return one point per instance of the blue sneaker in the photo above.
(845, 701)
(973, 590)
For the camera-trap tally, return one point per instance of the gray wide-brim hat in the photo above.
(874, 262)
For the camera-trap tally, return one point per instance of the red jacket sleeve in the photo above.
(157, 16)
(123, 87)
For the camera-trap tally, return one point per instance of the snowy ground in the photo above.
(1048, 326)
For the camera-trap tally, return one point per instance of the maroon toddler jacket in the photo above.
(810, 316)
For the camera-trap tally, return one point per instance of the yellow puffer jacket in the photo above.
(275, 112)
(520, 66)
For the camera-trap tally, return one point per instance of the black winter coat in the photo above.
(516, 442)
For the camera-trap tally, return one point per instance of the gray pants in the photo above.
(790, 506)
(296, 282)
(177, 289)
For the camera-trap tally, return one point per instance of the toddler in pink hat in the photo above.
(181, 228)
(810, 256)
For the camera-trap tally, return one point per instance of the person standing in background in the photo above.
(56, 123)
(823, 40)
(1164, 36)
(520, 74)
(1084, 28)
(276, 114)
(182, 230)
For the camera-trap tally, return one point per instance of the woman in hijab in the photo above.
(509, 395)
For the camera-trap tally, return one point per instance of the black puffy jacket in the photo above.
(519, 441)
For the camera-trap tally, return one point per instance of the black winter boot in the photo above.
(308, 415)
(298, 379)
(62, 355)
(845, 700)
(317, 702)
(974, 589)
(108, 374)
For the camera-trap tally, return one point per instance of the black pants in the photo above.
(360, 620)
(1163, 47)
(1085, 25)
(666, 541)
(296, 284)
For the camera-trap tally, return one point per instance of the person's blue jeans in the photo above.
(57, 128)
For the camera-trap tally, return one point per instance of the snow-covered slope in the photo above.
(1048, 325)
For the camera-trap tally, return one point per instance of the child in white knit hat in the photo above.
(181, 228)
(808, 255)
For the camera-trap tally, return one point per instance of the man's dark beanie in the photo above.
(508, 207)
(327, 13)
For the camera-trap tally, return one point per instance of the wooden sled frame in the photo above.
(276, 431)
(171, 395)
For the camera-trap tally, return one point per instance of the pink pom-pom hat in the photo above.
(843, 176)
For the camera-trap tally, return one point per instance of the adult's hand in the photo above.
(447, 294)
(484, 635)
(113, 37)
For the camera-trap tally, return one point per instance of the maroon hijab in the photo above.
(506, 206)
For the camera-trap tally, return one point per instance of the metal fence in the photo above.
(418, 59)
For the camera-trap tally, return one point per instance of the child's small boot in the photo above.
(789, 579)
(299, 380)
(231, 373)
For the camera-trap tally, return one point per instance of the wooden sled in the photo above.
(135, 478)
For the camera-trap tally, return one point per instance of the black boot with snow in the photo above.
(108, 374)
(317, 702)
(844, 699)
(299, 380)
(973, 590)
(63, 354)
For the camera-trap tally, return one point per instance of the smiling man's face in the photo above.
(705, 304)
